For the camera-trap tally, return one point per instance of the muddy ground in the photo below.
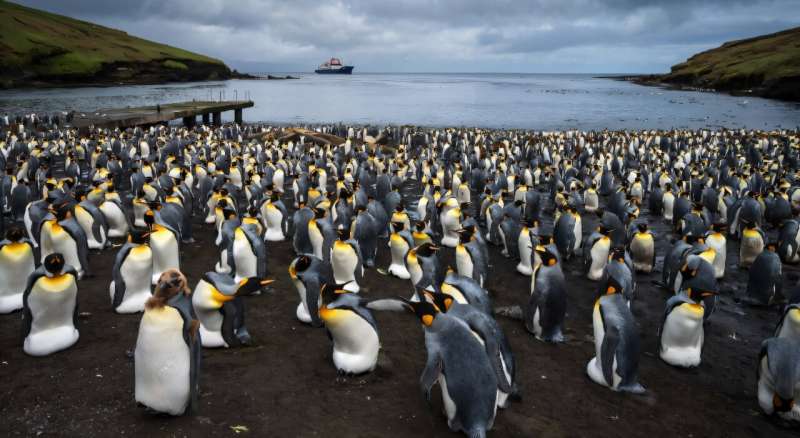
(285, 384)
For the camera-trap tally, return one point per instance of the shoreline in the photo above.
(657, 81)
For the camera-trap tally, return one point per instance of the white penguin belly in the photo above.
(16, 264)
(52, 304)
(749, 249)
(137, 271)
(594, 368)
(719, 245)
(302, 308)
(682, 336)
(117, 225)
(450, 223)
(85, 220)
(450, 408)
(274, 220)
(790, 327)
(578, 233)
(26, 219)
(246, 261)
(398, 247)
(355, 343)
(60, 241)
(316, 238)
(599, 254)
(165, 252)
(162, 362)
(208, 313)
(463, 261)
(344, 262)
(642, 251)
(524, 246)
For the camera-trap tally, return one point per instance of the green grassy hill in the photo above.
(40, 48)
(767, 65)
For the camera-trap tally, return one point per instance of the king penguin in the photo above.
(599, 245)
(352, 328)
(470, 261)
(642, 248)
(346, 261)
(63, 235)
(681, 336)
(50, 307)
(779, 378)
(219, 304)
(132, 274)
(17, 262)
(164, 245)
(616, 339)
(547, 305)
(400, 241)
(309, 274)
(168, 349)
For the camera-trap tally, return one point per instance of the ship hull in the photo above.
(346, 70)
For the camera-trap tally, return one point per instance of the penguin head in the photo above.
(642, 227)
(617, 253)
(300, 264)
(15, 234)
(54, 264)
(149, 218)
(547, 255)
(427, 249)
(319, 213)
(441, 301)
(420, 226)
(139, 236)
(62, 211)
(398, 226)
(612, 287)
(250, 285)
(424, 310)
(465, 234)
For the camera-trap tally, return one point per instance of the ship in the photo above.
(334, 66)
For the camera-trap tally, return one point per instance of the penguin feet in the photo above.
(244, 337)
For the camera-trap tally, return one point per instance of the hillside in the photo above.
(767, 66)
(38, 48)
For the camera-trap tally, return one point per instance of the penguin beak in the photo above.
(266, 282)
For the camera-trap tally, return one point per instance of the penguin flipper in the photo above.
(608, 352)
(228, 329)
(27, 316)
(489, 335)
(119, 280)
(430, 375)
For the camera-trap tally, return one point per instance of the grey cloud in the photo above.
(441, 35)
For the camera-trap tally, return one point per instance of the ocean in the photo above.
(529, 101)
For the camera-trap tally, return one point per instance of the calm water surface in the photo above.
(536, 101)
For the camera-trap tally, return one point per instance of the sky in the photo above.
(536, 36)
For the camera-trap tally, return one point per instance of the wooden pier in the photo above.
(211, 112)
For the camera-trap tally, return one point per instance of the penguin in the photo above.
(616, 361)
(465, 290)
(751, 244)
(789, 241)
(50, 307)
(248, 253)
(715, 239)
(274, 217)
(218, 302)
(599, 245)
(789, 324)
(617, 273)
(164, 246)
(547, 304)
(365, 231)
(132, 274)
(765, 277)
(450, 218)
(779, 378)
(63, 235)
(168, 349)
(425, 268)
(346, 261)
(309, 274)
(567, 233)
(93, 223)
(116, 218)
(525, 247)
(491, 334)
(352, 329)
(681, 335)
(642, 247)
(300, 219)
(591, 202)
(469, 394)
(17, 263)
(470, 260)
(400, 241)
(420, 235)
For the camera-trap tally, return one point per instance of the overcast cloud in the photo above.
(587, 36)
